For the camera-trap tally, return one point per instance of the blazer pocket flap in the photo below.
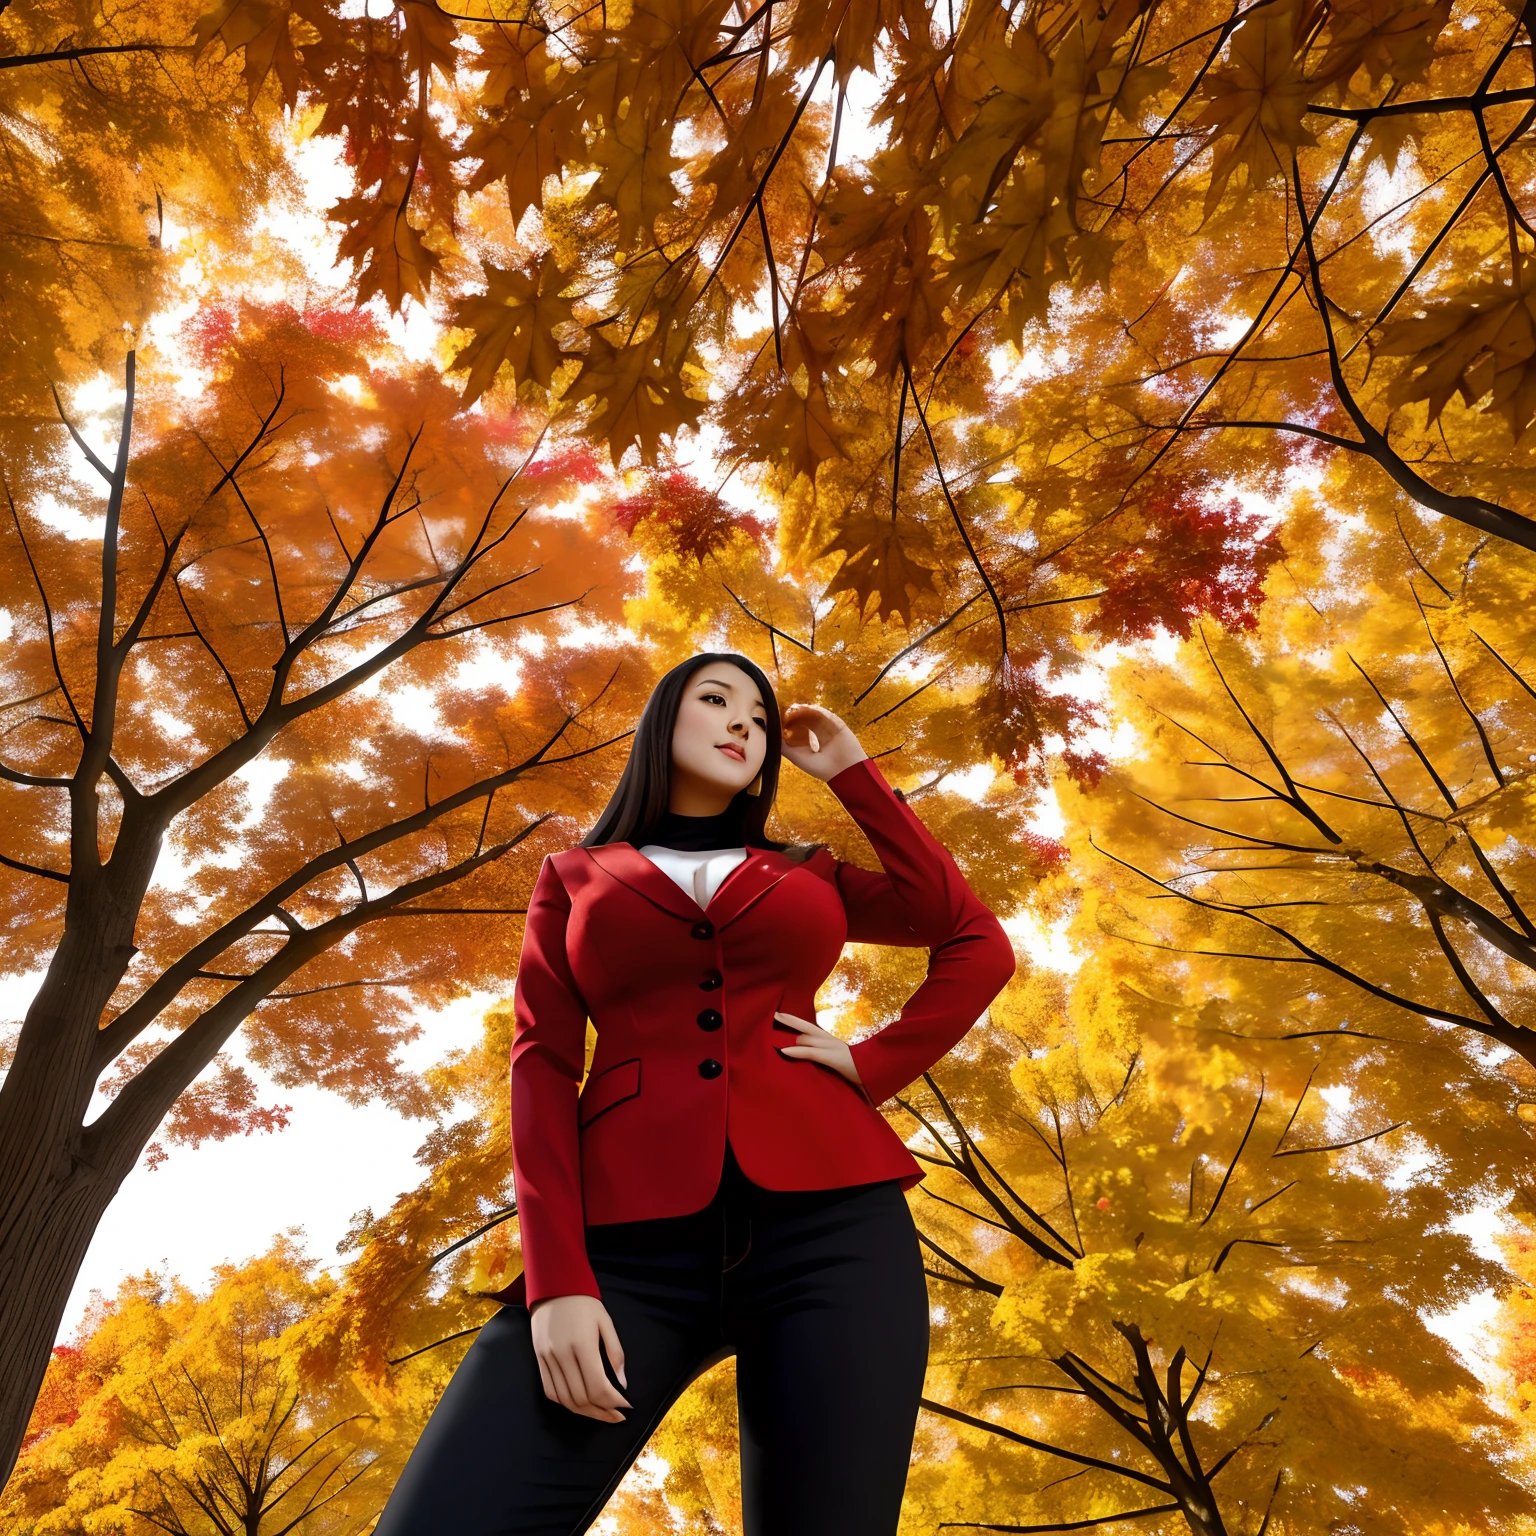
(611, 1086)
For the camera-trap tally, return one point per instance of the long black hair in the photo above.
(644, 791)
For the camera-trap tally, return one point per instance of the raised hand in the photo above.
(818, 741)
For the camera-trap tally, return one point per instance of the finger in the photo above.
(820, 1041)
(563, 1394)
(798, 1023)
(610, 1337)
(549, 1386)
(600, 1392)
(570, 1370)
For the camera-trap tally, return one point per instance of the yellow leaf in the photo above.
(1481, 341)
(1255, 102)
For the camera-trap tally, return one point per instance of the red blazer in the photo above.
(683, 999)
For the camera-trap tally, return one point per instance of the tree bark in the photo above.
(56, 1177)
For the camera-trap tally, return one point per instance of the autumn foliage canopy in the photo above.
(1120, 413)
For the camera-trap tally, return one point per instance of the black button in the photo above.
(710, 1018)
(703, 930)
(712, 979)
(709, 1067)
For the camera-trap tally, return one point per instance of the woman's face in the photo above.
(720, 739)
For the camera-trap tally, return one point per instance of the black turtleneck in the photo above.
(697, 834)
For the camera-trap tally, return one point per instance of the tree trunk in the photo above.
(57, 1176)
(50, 1207)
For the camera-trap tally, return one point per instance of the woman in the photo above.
(723, 1183)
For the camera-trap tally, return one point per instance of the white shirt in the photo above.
(698, 873)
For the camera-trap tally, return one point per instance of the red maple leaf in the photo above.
(1192, 559)
(692, 519)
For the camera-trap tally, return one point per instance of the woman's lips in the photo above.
(735, 752)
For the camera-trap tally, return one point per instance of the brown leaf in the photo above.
(785, 420)
(636, 163)
(850, 27)
(877, 564)
(1256, 102)
(641, 391)
(1015, 107)
(528, 140)
(261, 29)
(388, 251)
(513, 322)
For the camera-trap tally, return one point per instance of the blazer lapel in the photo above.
(753, 878)
(757, 874)
(627, 864)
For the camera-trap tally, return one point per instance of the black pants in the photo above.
(819, 1294)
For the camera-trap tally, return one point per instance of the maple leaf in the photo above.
(1255, 103)
(925, 98)
(663, 42)
(1479, 342)
(847, 29)
(733, 170)
(513, 321)
(894, 290)
(385, 248)
(1019, 242)
(1017, 716)
(691, 519)
(515, 58)
(261, 28)
(1009, 115)
(526, 142)
(641, 390)
(1385, 38)
(1193, 559)
(635, 165)
(1090, 77)
(785, 419)
(429, 37)
(878, 565)
(867, 206)
(370, 100)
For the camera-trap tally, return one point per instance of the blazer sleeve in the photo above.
(548, 1054)
(921, 898)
